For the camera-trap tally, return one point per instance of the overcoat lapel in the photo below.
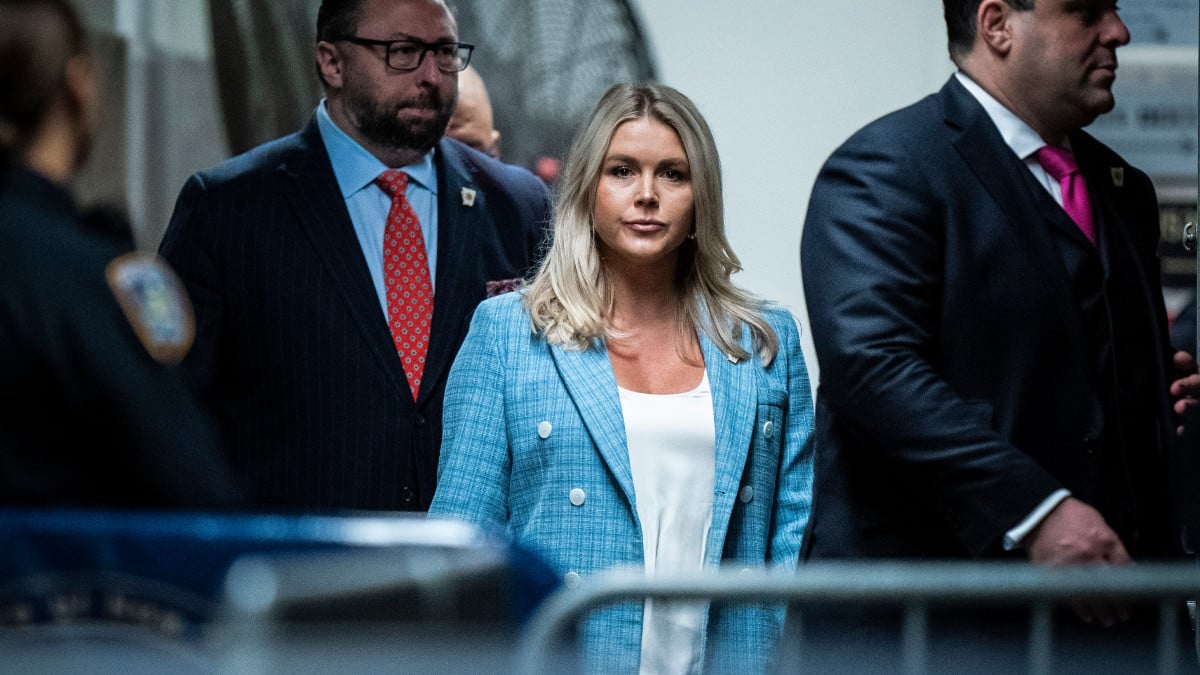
(318, 206)
(459, 226)
(588, 376)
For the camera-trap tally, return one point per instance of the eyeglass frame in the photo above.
(426, 47)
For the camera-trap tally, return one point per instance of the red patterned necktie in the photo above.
(406, 277)
(1061, 164)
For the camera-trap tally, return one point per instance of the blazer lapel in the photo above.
(458, 227)
(320, 209)
(589, 379)
(735, 401)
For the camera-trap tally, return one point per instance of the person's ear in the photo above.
(494, 146)
(82, 87)
(331, 63)
(994, 25)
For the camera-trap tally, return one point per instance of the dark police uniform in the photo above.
(92, 413)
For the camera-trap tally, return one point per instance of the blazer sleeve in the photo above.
(873, 269)
(475, 463)
(793, 502)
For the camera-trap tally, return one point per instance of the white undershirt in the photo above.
(672, 447)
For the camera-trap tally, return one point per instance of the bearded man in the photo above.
(334, 271)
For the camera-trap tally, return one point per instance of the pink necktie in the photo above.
(406, 277)
(1061, 164)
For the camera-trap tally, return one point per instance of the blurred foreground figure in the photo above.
(91, 413)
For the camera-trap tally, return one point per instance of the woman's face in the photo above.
(644, 209)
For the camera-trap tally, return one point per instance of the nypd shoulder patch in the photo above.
(154, 302)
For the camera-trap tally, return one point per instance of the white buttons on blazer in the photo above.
(746, 494)
(544, 429)
(571, 579)
(768, 430)
(578, 497)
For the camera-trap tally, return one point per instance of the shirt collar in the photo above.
(355, 168)
(1016, 133)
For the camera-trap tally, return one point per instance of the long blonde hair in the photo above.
(570, 299)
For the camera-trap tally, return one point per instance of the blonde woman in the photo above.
(632, 406)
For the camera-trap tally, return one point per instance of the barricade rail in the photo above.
(914, 586)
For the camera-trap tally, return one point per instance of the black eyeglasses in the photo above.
(407, 55)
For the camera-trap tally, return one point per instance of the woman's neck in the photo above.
(653, 351)
(645, 297)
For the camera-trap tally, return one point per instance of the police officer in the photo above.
(92, 413)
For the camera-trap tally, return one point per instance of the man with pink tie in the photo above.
(983, 286)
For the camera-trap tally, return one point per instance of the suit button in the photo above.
(544, 429)
(746, 494)
(578, 497)
(768, 430)
(419, 420)
(407, 495)
(1091, 444)
(571, 580)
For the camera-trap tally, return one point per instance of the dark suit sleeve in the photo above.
(874, 269)
(188, 246)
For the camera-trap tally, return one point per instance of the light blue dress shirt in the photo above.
(356, 171)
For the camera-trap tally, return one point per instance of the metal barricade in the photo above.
(914, 586)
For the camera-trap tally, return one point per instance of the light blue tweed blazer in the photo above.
(529, 425)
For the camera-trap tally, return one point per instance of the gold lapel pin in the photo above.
(468, 197)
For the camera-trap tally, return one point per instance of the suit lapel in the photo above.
(734, 395)
(1029, 212)
(589, 379)
(459, 225)
(321, 212)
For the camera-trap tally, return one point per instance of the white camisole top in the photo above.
(672, 447)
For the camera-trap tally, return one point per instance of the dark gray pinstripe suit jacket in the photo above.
(293, 351)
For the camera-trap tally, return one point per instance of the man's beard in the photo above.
(379, 122)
